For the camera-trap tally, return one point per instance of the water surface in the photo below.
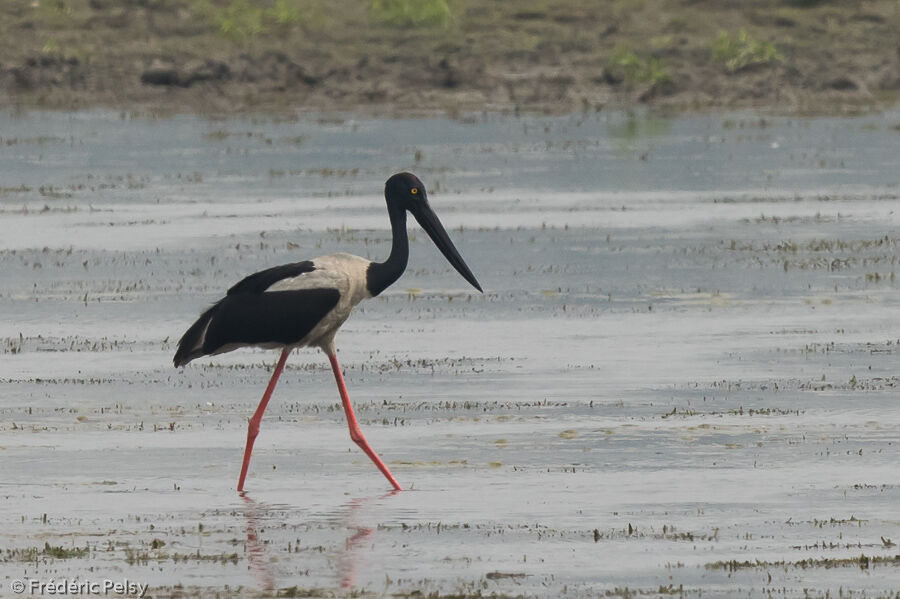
(680, 378)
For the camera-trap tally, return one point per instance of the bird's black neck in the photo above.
(382, 275)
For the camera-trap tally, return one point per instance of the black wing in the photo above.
(249, 315)
(262, 280)
(248, 319)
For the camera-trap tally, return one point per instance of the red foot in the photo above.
(253, 427)
(355, 432)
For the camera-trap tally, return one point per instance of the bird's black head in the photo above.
(406, 191)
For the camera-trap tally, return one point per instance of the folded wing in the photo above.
(275, 307)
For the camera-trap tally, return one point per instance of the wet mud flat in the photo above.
(681, 380)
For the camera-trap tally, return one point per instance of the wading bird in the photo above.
(304, 304)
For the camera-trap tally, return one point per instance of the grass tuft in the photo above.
(242, 21)
(405, 13)
(743, 51)
(625, 65)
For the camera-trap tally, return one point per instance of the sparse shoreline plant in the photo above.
(402, 13)
(743, 51)
(243, 20)
(625, 65)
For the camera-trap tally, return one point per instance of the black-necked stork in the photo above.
(304, 304)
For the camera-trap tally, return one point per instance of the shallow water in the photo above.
(680, 379)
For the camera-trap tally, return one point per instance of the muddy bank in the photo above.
(449, 56)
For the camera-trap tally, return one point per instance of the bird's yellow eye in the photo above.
(414, 191)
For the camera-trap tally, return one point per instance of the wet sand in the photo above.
(680, 381)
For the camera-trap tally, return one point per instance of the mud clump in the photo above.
(170, 75)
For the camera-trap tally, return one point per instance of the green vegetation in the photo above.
(743, 51)
(243, 20)
(240, 21)
(51, 48)
(625, 65)
(402, 13)
(31, 554)
(864, 562)
(285, 12)
(55, 12)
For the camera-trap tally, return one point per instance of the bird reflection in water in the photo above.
(256, 553)
(347, 519)
(349, 558)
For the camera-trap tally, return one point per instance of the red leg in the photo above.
(355, 433)
(253, 428)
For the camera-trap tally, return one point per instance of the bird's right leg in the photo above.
(355, 433)
(253, 427)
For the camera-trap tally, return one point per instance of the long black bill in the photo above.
(429, 221)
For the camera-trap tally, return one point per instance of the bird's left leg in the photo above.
(355, 432)
(253, 426)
